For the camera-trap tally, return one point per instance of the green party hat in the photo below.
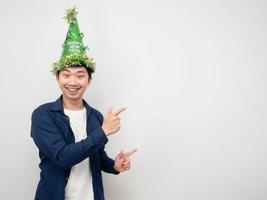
(74, 51)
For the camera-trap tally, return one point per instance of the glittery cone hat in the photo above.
(74, 51)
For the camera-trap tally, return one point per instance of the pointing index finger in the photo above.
(120, 110)
(129, 153)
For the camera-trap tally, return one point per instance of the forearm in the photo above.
(74, 153)
(107, 163)
(51, 144)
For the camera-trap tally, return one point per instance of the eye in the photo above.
(81, 76)
(66, 75)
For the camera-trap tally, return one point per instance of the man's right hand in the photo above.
(111, 123)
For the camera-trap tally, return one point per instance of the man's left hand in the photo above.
(122, 161)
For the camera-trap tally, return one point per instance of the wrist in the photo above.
(105, 130)
(116, 169)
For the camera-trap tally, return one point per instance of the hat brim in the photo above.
(74, 60)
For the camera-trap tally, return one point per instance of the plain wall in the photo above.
(191, 73)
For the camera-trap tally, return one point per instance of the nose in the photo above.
(73, 80)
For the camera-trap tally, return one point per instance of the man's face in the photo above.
(73, 82)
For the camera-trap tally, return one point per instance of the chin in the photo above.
(73, 97)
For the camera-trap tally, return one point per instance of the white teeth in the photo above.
(72, 89)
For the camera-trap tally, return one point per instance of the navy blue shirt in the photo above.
(58, 151)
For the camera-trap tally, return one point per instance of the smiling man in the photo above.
(70, 134)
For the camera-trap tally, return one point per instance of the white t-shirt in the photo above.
(79, 186)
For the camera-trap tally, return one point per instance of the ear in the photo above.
(57, 76)
(89, 81)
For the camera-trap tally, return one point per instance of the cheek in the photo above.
(61, 83)
(84, 84)
(61, 86)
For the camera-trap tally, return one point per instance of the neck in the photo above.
(72, 104)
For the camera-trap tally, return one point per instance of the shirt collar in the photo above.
(58, 106)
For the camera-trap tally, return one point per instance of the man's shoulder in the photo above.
(43, 108)
(92, 109)
(98, 114)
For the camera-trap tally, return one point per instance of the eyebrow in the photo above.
(66, 70)
(80, 71)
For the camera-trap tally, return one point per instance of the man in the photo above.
(70, 134)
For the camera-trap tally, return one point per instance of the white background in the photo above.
(191, 73)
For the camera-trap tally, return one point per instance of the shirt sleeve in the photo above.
(107, 163)
(50, 141)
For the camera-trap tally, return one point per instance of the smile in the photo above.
(72, 89)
